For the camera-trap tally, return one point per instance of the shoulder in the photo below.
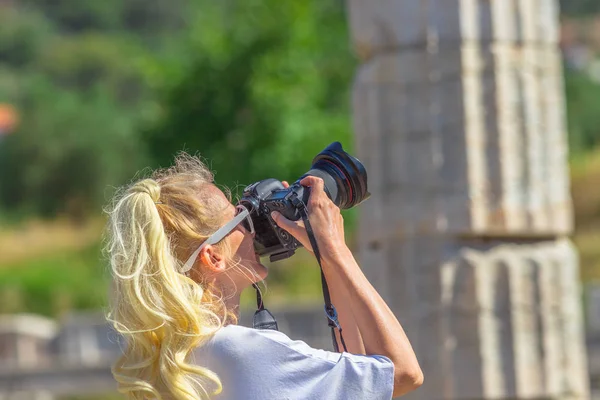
(238, 341)
(235, 340)
(268, 364)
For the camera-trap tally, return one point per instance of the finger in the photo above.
(294, 228)
(291, 226)
(317, 192)
(285, 184)
(313, 182)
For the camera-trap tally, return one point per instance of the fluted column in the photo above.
(459, 119)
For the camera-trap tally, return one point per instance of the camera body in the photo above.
(264, 197)
(345, 183)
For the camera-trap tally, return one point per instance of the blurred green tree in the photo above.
(67, 152)
(147, 17)
(75, 15)
(107, 87)
(583, 111)
(265, 88)
(579, 7)
(22, 35)
(81, 98)
(257, 87)
(83, 61)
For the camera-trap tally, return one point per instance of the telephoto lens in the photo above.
(344, 176)
(345, 182)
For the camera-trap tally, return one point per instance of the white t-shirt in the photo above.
(264, 364)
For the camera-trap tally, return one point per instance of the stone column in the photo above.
(459, 120)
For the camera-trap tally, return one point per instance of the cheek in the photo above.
(243, 245)
(248, 247)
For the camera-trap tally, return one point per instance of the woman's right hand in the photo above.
(371, 326)
(325, 219)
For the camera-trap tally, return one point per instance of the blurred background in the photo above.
(91, 92)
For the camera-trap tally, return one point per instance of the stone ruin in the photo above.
(459, 119)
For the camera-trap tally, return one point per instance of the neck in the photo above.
(230, 295)
(232, 303)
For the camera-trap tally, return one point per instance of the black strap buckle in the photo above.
(332, 316)
(263, 319)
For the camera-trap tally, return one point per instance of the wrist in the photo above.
(337, 255)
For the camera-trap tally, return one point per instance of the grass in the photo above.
(54, 283)
(588, 244)
(78, 279)
(51, 268)
(37, 239)
(585, 189)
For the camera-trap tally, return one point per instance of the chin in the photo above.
(255, 271)
(261, 271)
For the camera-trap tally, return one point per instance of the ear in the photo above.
(212, 259)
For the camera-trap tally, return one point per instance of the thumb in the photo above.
(284, 223)
(294, 228)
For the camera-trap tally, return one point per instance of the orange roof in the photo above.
(8, 118)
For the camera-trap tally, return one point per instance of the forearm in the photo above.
(342, 302)
(366, 319)
(380, 331)
(369, 317)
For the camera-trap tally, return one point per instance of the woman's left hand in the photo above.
(294, 228)
(325, 218)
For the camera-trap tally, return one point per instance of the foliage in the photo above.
(105, 88)
(261, 94)
(585, 175)
(80, 106)
(150, 17)
(583, 112)
(22, 34)
(79, 63)
(579, 7)
(78, 279)
(64, 159)
(257, 87)
(47, 285)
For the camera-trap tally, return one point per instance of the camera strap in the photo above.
(330, 311)
(263, 319)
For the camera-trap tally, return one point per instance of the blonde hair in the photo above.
(162, 314)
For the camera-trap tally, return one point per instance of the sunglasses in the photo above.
(242, 217)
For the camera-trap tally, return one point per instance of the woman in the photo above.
(176, 294)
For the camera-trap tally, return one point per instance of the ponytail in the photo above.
(163, 315)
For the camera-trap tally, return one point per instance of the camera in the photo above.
(345, 182)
